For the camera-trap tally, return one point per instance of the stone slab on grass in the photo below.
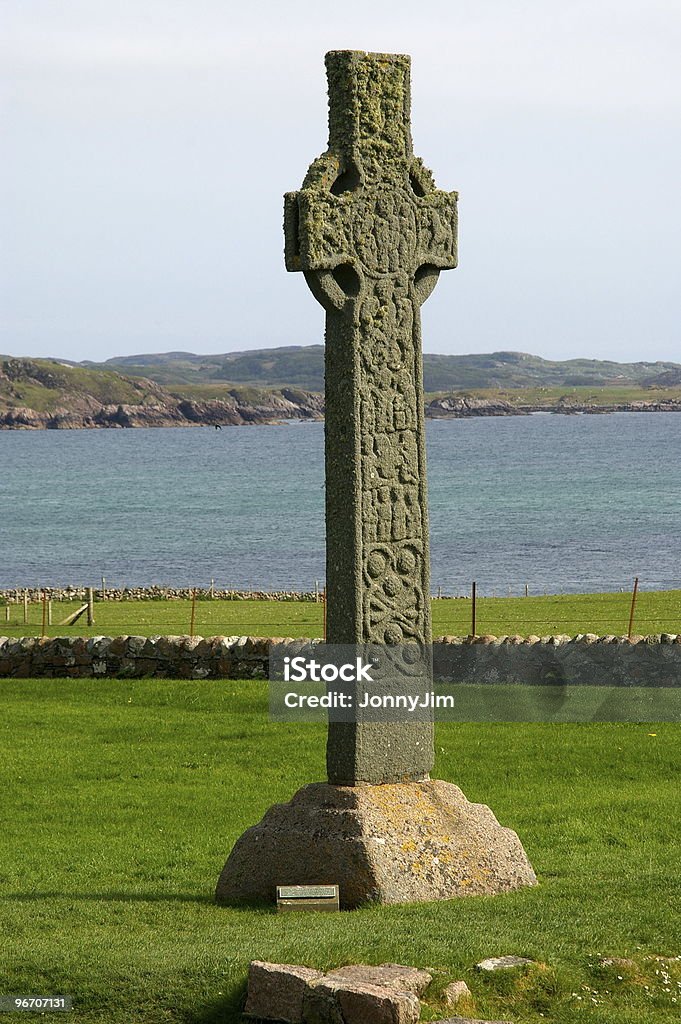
(275, 991)
(503, 963)
(618, 962)
(356, 994)
(337, 1000)
(395, 976)
(458, 993)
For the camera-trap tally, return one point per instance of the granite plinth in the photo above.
(399, 843)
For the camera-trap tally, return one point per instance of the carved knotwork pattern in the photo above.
(379, 229)
(392, 495)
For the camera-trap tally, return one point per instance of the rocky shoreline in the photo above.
(280, 406)
(46, 394)
(461, 407)
(87, 413)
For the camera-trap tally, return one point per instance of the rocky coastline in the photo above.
(88, 413)
(277, 407)
(48, 394)
(463, 406)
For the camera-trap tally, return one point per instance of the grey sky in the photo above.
(147, 144)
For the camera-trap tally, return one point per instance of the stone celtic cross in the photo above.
(371, 234)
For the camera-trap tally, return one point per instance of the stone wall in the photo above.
(166, 657)
(157, 593)
(582, 660)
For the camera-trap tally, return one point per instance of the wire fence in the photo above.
(642, 608)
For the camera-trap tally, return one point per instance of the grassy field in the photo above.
(123, 799)
(656, 612)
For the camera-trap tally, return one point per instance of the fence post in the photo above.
(324, 603)
(6, 613)
(103, 588)
(90, 606)
(193, 615)
(527, 590)
(49, 612)
(473, 608)
(25, 607)
(44, 623)
(633, 607)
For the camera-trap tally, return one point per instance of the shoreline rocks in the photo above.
(85, 413)
(88, 414)
(73, 398)
(456, 406)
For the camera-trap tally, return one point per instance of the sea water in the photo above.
(562, 503)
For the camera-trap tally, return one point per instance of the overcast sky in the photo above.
(147, 145)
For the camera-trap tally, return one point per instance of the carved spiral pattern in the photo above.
(392, 495)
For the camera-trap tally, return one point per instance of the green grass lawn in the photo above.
(656, 612)
(122, 799)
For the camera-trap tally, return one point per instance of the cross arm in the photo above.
(436, 236)
(314, 232)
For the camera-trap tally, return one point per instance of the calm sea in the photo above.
(563, 503)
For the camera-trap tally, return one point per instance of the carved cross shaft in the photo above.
(371, 233)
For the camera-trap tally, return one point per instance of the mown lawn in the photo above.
(656, 612)
(122, 798)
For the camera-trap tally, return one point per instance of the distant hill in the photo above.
(50, 394)
(668, 379)
(294, 365)
(303, 367)
(266, 386)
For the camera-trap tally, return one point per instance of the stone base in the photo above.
(403, 843)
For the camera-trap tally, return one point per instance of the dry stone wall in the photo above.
(582, 660)
(166, 657)
(15, 595)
